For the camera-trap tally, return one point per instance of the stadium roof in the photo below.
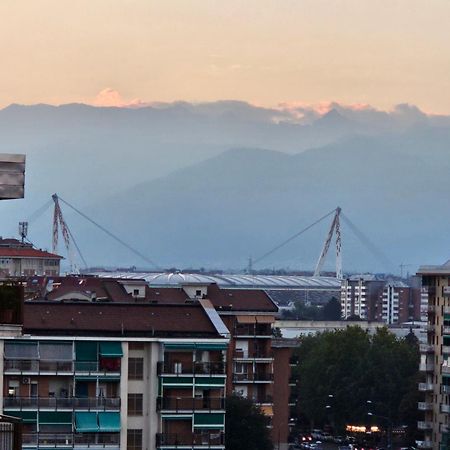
(229, 281)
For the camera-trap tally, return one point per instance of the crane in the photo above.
(334, 229)
(58, 221)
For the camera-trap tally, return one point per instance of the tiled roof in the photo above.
(117, 319)
(24, 252)
(165, 295)
(240, 299)
(107, 289)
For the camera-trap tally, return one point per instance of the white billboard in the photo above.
(12, 176)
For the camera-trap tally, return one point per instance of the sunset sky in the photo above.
(380, 52)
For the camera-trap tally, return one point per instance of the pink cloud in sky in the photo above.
(111, 98)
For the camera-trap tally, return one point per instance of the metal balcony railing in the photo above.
(426, 348)
(425, 387)
(25, 366)
(260, 354)
(251, 377)
(252, 330)
(424, 425)
(71, 440)
(194, 368)
(204, 439)
(58, 403)
(425, 406)
(190, 403)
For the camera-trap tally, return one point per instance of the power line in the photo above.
(110, 234)
(293, 237)
(38, 213)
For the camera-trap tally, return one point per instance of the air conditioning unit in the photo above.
(25, 380)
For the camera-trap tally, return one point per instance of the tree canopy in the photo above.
(246, 426)
(354, 367)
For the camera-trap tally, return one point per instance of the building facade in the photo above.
(22, 259)
(435, 363)
(117, 376)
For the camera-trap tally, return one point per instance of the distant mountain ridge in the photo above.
(164, 178)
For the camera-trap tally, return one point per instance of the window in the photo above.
(136, 292)
(198, 293)
(135, 404)
(135, 368)
(134, 439)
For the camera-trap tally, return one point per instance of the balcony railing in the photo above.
(253, 355)
(190, 439)
(196, 368)
(24, 366)
(425, 406)
(446, 330)
(190, 403)
(424, 444)
(424, 425)
(252, 377)
(252, 331)
(445, 369)
(71, 440)
(445, 389)
(445, 408)
(426, 367)
(425, 387)
(57, 403)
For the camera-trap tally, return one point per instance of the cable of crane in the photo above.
(38, 213)
(110, 234)
(382, 258)
(76, 246)
(294, 236)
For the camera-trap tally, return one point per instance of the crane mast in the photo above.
(336, 230)
(58, 221)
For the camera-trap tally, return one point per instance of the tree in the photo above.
(246, 426)
(355, 367)
(332, 310)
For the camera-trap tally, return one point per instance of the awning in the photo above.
(246, 319)
(210, 381)
(26, 416)
(86, 422)
(217, 346)
(267, 410)
(180, 346)
(207, 420)
(109, 421)
(176, 417)
(55, 418)
(111, 350)
(86, 351)
(265, 319)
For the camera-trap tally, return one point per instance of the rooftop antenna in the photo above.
(23, 230)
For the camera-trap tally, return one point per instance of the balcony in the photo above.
(258, 356)
(445, 389)
(431, 309)
(424, 444)
(71, 440)
(445, 408)
(426, 348)
(445, 369)
(426, 367)
(251, 331)
(426, 387)
(36, 367)
(59, 404)
(424, 425)
(39, 367)
(187, 404)
(425, 406)
(446, 330)
(197, 440)
(196, 368)
(253, 378)
(267, 400)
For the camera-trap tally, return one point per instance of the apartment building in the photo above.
(390, 301)
(435, 363)
(22, 259)
(117, 375)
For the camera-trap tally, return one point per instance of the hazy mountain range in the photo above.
(211, 184)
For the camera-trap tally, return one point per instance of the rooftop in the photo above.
(229, 281)
(117, 319)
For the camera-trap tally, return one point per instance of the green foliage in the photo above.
(246, 426)
(354, 367)
(332, 310)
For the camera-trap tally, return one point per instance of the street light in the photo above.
(389, 435)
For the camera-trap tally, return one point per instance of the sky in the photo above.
(266, 52)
